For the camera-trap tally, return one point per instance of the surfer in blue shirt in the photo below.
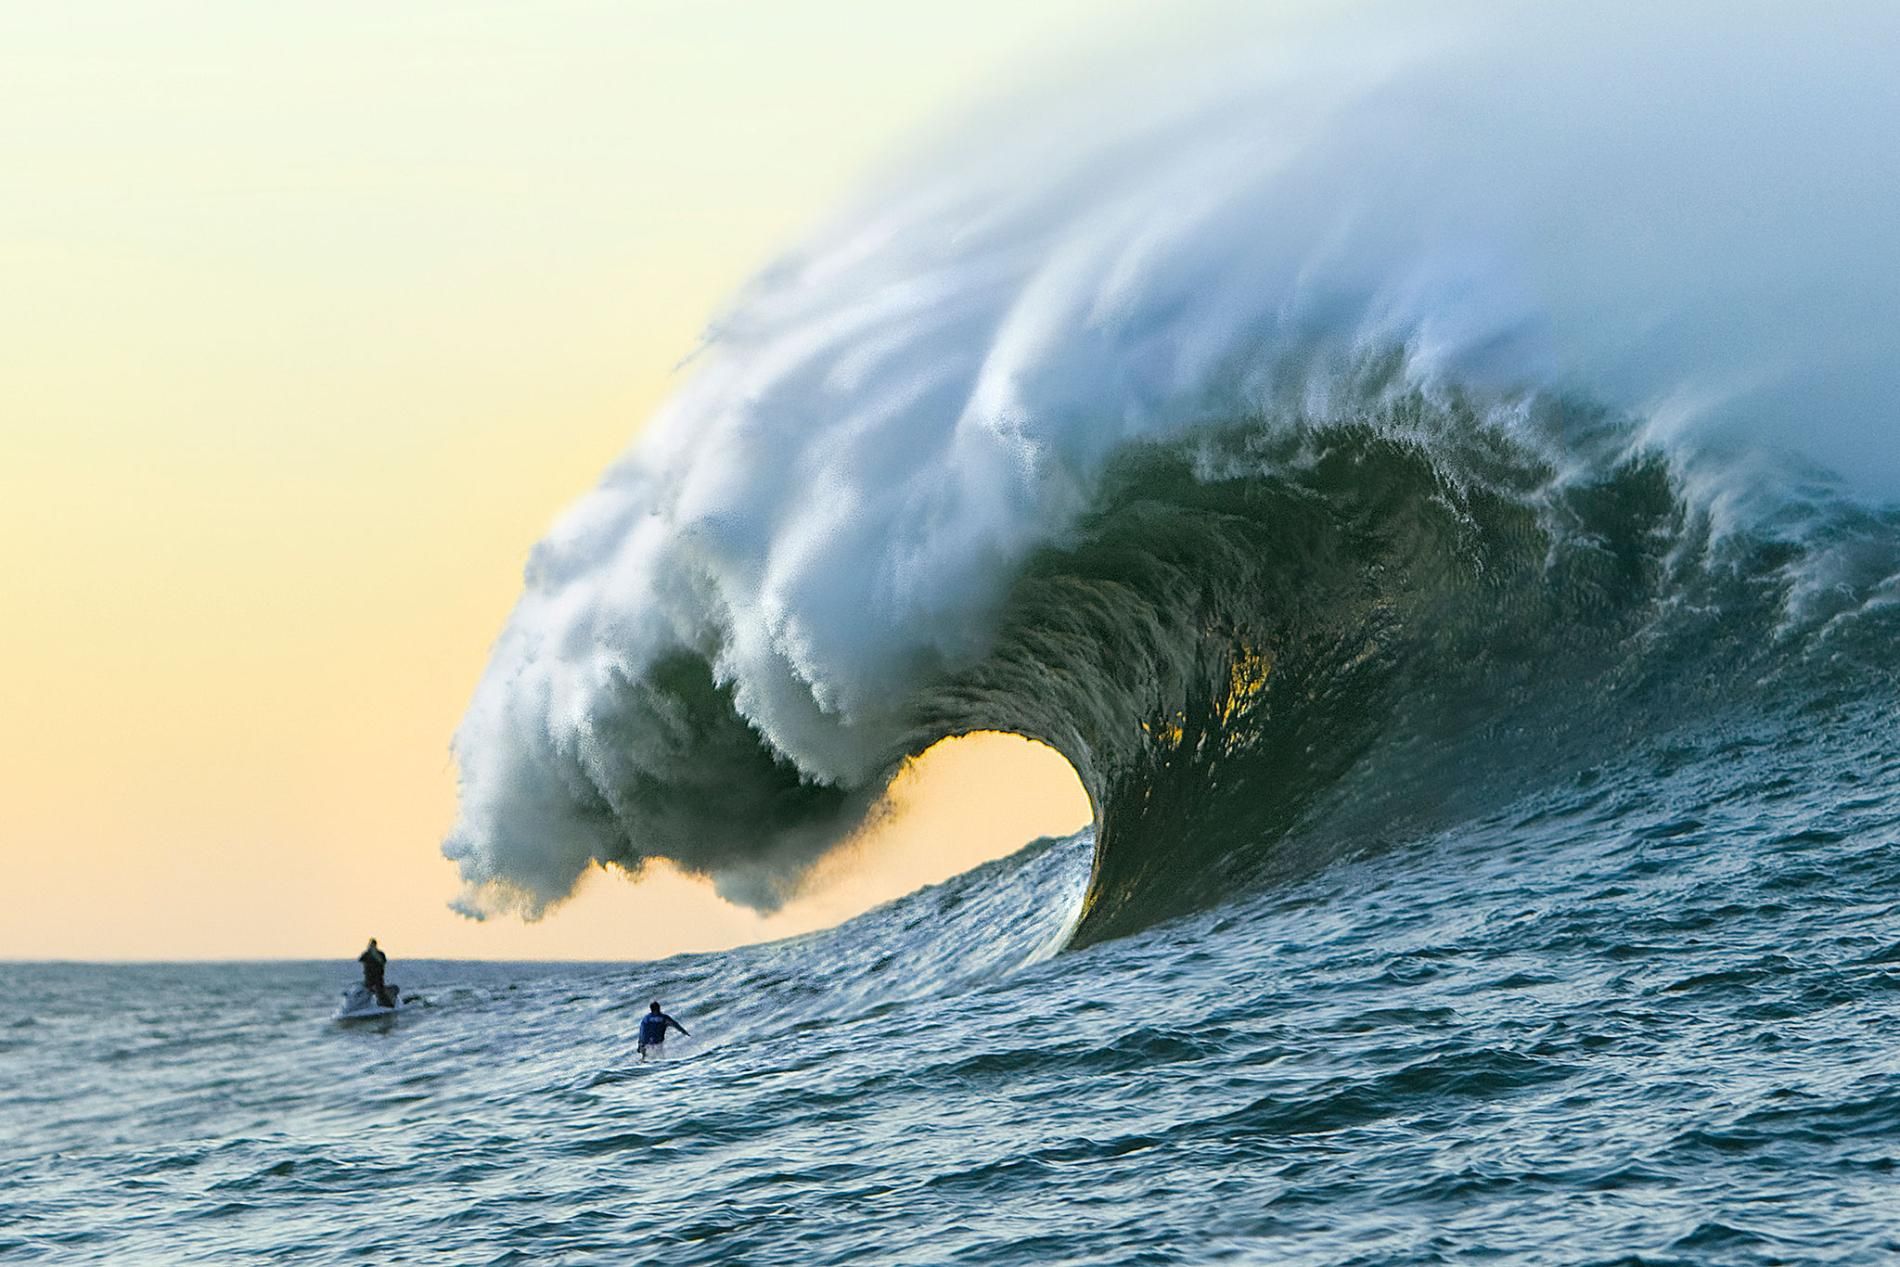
(653, 1029)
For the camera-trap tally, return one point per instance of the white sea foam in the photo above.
(1685, 212)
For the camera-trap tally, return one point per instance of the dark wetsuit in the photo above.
(653, 1029)
(373, 961)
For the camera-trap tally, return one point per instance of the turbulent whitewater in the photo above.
(1310, 441)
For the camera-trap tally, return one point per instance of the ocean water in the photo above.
(1646, 1014)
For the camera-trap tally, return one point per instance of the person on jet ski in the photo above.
(653, 1029)
(374, 961)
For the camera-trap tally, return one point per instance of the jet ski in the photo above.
(361, 1004)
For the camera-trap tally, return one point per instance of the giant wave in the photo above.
(1308, 442)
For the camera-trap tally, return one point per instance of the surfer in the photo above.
(653, 1029)
(374, 961)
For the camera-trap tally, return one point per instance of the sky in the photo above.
(313, 318)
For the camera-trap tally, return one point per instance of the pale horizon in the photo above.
(316, 320)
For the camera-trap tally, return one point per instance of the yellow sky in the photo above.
(311, 319)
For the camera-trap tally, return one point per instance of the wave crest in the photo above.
(1330, 411)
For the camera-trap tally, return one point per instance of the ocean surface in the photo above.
(1647, 1014)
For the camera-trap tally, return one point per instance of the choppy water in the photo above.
(1647, 1015)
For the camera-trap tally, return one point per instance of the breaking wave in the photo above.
(1311, 445)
